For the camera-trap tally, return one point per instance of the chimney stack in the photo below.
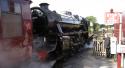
(44, 6)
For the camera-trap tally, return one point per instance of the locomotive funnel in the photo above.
(44, 5)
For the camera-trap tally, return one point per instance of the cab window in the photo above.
(17, 6)
(11, 18)
(4, 5)
(12, 6)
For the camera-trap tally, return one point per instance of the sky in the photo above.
(84, 8)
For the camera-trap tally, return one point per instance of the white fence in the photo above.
(99, 49)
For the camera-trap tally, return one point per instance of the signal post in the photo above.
(115, 18)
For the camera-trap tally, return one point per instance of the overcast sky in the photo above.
(85, 8)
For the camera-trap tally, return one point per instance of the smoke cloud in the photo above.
(17, 58)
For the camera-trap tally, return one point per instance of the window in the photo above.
(12, 25)
(17, 7)
(12, 6)
(4, 5)
(11, 22)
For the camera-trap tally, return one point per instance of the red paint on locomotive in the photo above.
(15, 34)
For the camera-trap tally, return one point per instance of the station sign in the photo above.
(120, 48)
(112, 18)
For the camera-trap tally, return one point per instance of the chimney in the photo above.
(44, 6)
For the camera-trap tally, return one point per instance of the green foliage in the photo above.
(102, 25)
(95, 26)
(91, 19)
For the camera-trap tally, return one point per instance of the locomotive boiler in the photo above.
(56, 35)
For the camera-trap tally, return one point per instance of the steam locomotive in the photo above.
(37, 32)
(56, 35)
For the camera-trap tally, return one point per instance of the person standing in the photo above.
(113, 46)
(107, 45)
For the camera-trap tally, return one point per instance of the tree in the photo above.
(96, 26)
(93, 20)
(102, 25)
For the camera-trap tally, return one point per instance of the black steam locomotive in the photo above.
(57, 34)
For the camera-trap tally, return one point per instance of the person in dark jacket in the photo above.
(107, 42)
(107, 46)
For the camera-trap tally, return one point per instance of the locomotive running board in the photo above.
(73, 33)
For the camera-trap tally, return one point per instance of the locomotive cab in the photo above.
(15, 33)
